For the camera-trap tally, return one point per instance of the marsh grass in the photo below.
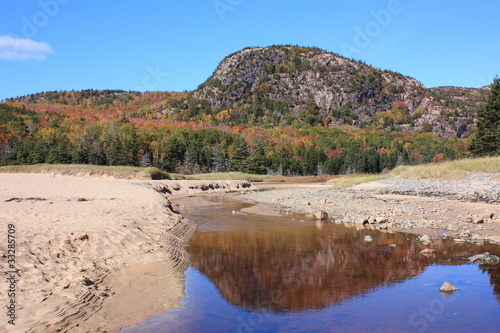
(98, 170)
(449, 170)
(229, 176)
(446, 170)
(457, 169)
(353, 180)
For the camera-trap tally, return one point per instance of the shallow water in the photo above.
(276, 274)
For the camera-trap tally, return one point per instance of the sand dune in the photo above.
(90, 251)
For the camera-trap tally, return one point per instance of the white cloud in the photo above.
(23, 49)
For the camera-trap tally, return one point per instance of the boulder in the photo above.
(447, 288)
(361, 220)
(424, 239)
(478, 220)
(451, 227)
(381, 219)
(321, 215)
(488, 216)
(485, 258)
(368, 238)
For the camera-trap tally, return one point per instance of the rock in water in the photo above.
(425, 238)
(368, 239)
(321, 215)
(447, 287)
(361, 221)
(485, 258)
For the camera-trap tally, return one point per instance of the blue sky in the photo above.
(48, 45)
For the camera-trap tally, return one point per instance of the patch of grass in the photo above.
(155, 173)
(446, 170)
(74, 169)
(450, 169)
(305, 179)
(229, 176)
(353, 180)
(177, 176)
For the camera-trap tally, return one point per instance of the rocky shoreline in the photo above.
(466, 210)
(476, 187)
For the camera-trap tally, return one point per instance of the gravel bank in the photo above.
(466, 210)
(476, 187)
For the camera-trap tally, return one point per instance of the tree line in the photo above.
(28, 137)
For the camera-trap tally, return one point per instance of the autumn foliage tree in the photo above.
(120, 128)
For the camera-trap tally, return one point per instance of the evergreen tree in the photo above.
(257, 159)
(333, 165)
(219, 162)
(487, 140)
(116, 155)
(189, 165)
(240, 157)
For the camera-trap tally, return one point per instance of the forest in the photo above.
(119, 128)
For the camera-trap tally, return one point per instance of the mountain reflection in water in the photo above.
(274, 274)
(293, 269)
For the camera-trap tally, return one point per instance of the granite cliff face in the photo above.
(308, 84)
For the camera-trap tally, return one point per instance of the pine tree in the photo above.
(219, 162)
(257, 161)
(239, 159)
(487, 140)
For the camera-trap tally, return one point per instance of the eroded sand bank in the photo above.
(94, 255)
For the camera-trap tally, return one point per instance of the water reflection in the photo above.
(312, 266)
(255, 274)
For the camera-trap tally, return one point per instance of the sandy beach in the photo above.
(100, 254)
(93, 255)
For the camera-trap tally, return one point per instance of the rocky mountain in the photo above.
(286, 83)
(289, 85)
